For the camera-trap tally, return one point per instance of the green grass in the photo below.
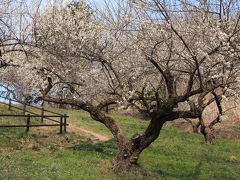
(175, 155)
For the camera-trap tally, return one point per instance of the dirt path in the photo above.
(89, 134)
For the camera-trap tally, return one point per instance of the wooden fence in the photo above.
(62, 122)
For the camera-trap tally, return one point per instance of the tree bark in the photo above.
(126, 158)
(195, 127)
(206, 131)
(208, 134)
(129, 150)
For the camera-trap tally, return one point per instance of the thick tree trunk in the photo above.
(127, 157)
(129, 151)
(196, 127)
(126, 160)
(208, 134)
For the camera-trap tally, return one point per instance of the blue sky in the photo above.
(1, 89)
(1, 99)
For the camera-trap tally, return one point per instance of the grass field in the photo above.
(43, 154)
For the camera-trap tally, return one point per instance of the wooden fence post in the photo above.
(42, 114)
(61, 124)
(65, 123)
(24, 109)
(9, 104)
(28, 123)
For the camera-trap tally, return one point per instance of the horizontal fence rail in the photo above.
(21, 115)
(32, 125)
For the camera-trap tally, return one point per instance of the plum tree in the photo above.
(169, 60)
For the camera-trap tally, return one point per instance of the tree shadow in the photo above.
(197, 170)
(191, 174)
(107, 148)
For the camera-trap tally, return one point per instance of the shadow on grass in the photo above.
(193, 173)
(107, 148)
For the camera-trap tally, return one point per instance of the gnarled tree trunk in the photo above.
(130, 150)
(207, 132)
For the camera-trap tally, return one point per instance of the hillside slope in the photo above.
(43, 154)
